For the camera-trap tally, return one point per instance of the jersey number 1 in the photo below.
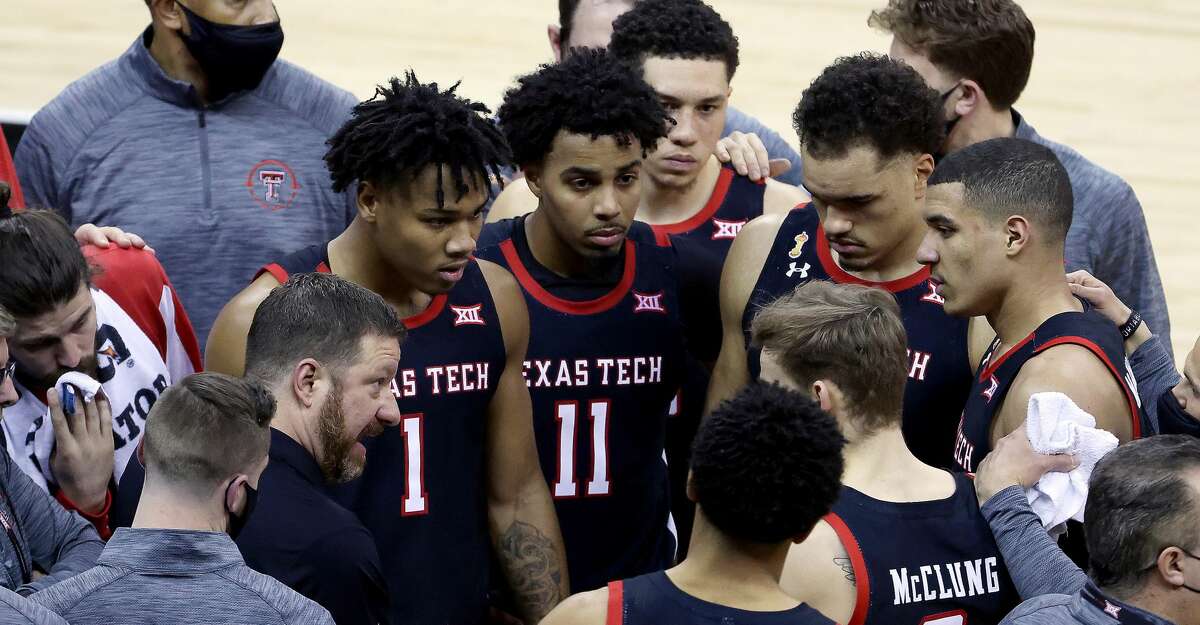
(416, 500)
(567, 413)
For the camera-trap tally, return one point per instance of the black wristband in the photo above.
(1131, 325)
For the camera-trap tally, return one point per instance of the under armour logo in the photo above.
(648, 302)
(468, 315)
(1112, 610)
(803, 271)
(990, 391)
(727, 229)
(273, 180)
(933, 296)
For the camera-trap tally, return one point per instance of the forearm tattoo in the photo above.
(534, 574)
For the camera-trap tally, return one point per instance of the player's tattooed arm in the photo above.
(521, 514)
(533, 570)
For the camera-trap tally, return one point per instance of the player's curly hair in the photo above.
(677, 29)
(408, 126)
(767, 464)
(869, 99)
(588, 93)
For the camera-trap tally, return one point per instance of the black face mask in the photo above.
(237, 522)
(1173, 419)
(950, 124)
(234, 58)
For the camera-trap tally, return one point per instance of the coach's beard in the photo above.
(337, 465)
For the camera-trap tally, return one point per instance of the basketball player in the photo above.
(688, 54)
(462, 464)
(978, 55)
(868, 128)
(589, 24)
(606, 305)
(765, 470)
(998, 213)
(905, 540)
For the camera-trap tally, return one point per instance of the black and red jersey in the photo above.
(605, 358)
(735, 200)
(1086, 329)
(422, 493)
(653, 599)
(924, 562)
(939, 361)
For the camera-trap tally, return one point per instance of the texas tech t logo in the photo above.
(648, 302)
(272, 184)
(726, 229)
(468, 315)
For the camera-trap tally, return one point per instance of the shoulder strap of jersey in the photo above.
(862, 579)
(1092, 346)
(616, 603)
(310, 259)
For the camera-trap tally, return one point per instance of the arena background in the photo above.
(1117, 80)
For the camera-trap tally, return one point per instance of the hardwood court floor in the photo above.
(1117, 80)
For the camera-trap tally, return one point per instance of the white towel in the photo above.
(43, 440)
(1055, 425)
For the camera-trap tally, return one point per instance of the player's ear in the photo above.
(922, 170)
(825, 392)
(554, 34)
(306, 381)
(690, 489)
(972, 98)
(1017, 231)
(533, 178)
(368, 201)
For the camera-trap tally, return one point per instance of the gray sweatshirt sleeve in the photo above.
(1126, 261)
(60, 542)
(1154, 370)
(777, 147)
(1035, 562)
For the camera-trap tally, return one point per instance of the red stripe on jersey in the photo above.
(987, 371)
(862, 581)
(279, 273)
(590, 307)
(616, 603)
(714, 202)
(135, 280)
(1095, 349)
(841, 276)
(429, 314)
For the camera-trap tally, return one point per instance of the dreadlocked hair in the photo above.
(588, 93)
(407, 126)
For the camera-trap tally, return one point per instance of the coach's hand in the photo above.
(102, 237)
(748, 156)
(1088, 287)
(83, 450)
(1013, 462)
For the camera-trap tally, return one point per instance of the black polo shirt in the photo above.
(304, 539)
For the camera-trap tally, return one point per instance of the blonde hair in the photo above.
(848, 334)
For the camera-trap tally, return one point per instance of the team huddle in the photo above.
(615, 353)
